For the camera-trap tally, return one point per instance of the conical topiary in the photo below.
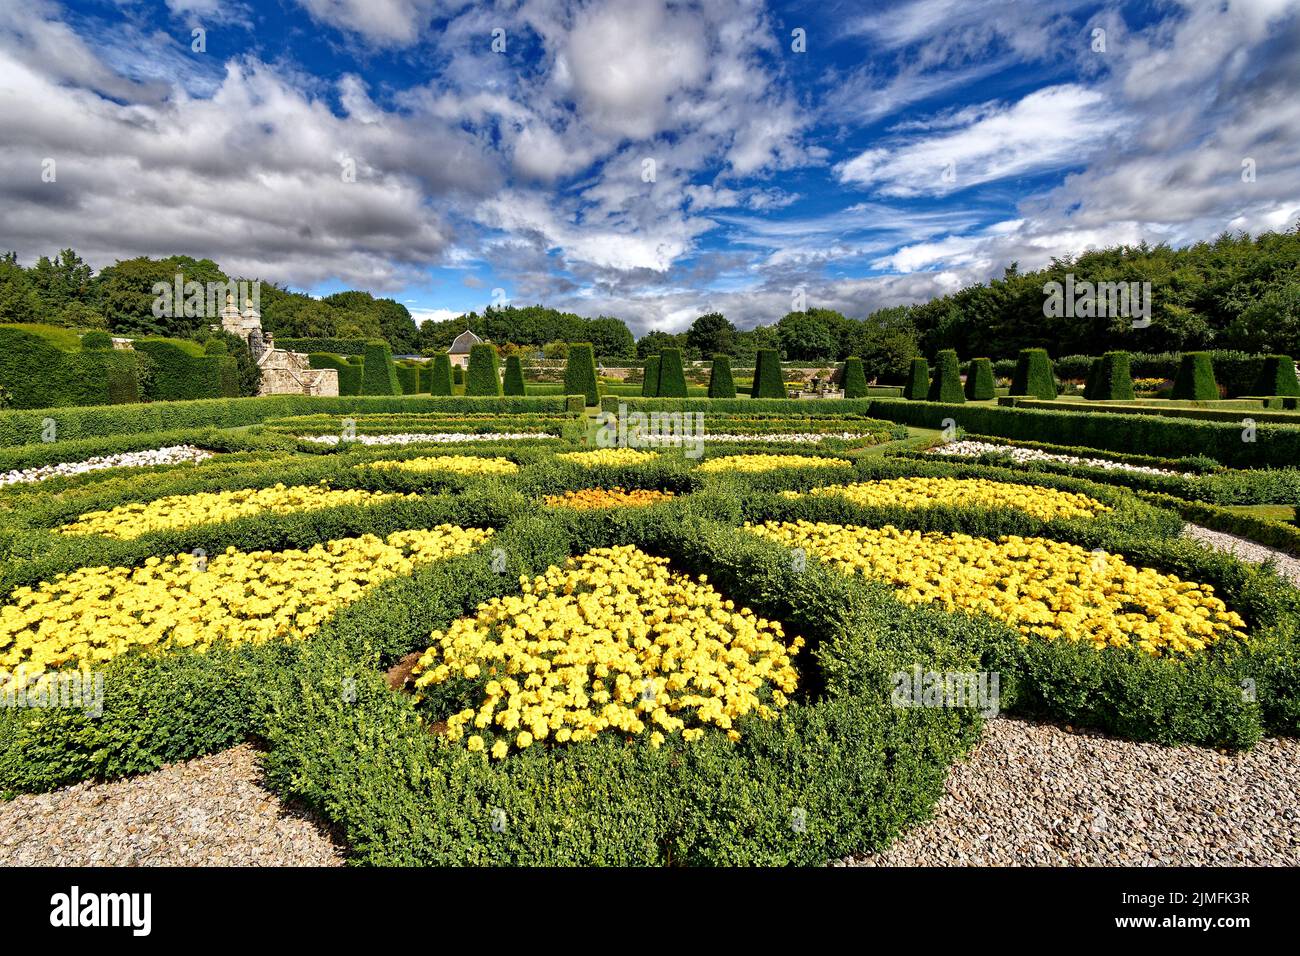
(918, 381)
(768, 382)
(580, 373)
(1195, 380)
(379, 375)
(721, 384)
(650, 388)
(980, 384)
(440, 376)
(513, 381)
(946, 384)
(672, 377)
(481, 376)
(1093, 380)
(1033, 377)
(1276, 376)
(853, 379)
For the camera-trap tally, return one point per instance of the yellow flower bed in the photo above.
(1046, 589)
(459, 464)
(608, 498)
(612, 641)
(91, 615)
(1045, 503)
(204, 507)
(608, 456)
(770, 462)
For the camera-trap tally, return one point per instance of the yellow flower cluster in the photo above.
(459, 464)
(91, 615)
(615, 457)
(184, 511)
(770, 462)
(1046, 589)
(611, 641)
(587, 498)
(1045, 503)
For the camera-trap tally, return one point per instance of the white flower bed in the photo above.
(973, 449)
(171, 455)
(800, 438)
(406, 438)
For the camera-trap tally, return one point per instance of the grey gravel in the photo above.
(213, 811)
(1040, 795)
(1286, 566)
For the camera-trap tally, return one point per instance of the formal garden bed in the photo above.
(545, 650)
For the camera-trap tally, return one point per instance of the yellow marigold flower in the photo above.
(474, 744)
(500, 749)
(750, 463)
(1045, 503)
(608, 457)
(457, 464)
(589, 498)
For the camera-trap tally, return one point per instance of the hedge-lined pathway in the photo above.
(1035, 794)
(211, 811)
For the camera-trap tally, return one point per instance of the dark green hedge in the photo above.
(1112, 379)
(482, 375)
(853, 379)
(330, 345)
(181, 372)
(440, 377)
(1033, 375)
(945, 386)
(918, 381)
(650, 387)
(513, 382)
(721, 384)
(980, 384)
(378, 374)
(672, 376)
(768, 379)
(1277, 376)
(38, 374)
(1195, 380)
(349, 372)
(580, 372)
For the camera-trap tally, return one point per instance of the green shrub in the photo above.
(1195, 381)
(721, 384)
(349, 372)
(980, 384)
(650, 387)
(182, 371)
(946, 384)
(853, 379)
(513, 383)
(769, 381)
(1277, 376)
(458, 375)
(482, 376)
(440, 378)
(1033, 375)
(408, 377)
(1110, 379)
(580, 372)
(672, 376)
(99, 341)
(378, 375)
(918, 381)
(331, 346)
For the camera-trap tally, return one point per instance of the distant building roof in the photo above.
(463, 342)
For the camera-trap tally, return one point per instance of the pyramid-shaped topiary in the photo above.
(580, 373)
(768, 381)
(1110, 379)
(650, 388)
(1033, 375)
(513, 381)
(481, 375)
(721, 384)
(1195, 380)
(379, 375)
(918, 381)
(672, 377)
(1276, 376)
(946, 384)
(980, 384)
(853, 379)
(440, 376)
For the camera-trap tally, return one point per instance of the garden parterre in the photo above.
(1151, 639)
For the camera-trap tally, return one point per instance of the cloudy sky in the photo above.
(638, 158)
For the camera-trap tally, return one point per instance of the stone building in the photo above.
(459, 351)
(282, 372)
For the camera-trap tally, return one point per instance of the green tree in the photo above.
(652, 343)
(710, 334)
(810, 336)
(62, 281)
(18, 299)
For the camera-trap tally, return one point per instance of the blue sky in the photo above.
(639, 158)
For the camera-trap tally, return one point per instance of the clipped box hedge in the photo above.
(38, 372)
(349, 372)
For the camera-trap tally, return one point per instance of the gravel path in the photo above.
(1287, 566)
(1038, 795)
(211, 811)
